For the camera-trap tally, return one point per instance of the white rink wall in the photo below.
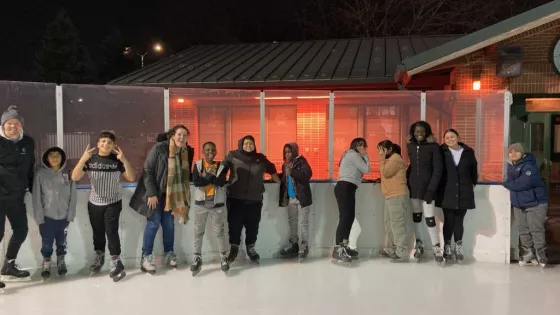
(487, 228)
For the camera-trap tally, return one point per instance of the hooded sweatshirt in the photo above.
(353, 166)
(247, 171)
(54, 195)
(393, 176)
(297, 184)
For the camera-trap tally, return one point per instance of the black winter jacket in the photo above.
(456, 190)
(17, 164)
(153, 180)
(425, 170)
(301, 175)
(246, 173)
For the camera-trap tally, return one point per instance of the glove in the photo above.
(429, 196)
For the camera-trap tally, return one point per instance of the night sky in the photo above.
(177, 24)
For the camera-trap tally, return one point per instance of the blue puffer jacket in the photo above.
(525, 183)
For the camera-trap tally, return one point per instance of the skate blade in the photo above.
(15, 279)
(150, 272)
(119, 277)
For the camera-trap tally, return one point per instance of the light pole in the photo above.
(157, 48)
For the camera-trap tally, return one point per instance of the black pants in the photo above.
(243, 213)
(453, 224)
(105, 220)
(53, 231)
(16, 212)
(345, 194)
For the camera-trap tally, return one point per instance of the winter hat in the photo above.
(517, 147)
(11, 113)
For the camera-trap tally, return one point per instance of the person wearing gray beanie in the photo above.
(17, 163)
(530, 205)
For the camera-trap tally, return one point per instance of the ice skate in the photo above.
(171, 260)
(2, 286)
(447, 253)
(353, 253)
(528, 258)
(196, 265)
(61, 266)
(147, 264)
(252, 253)
(438, 254)
(224, 264)
(303, 252)
(395, 258)
(418, 250)
(98, 263)
(290, 251)
(459, 255)
(11, 272)
(233, 252)
(117, 269)
(542, 259)
(341, 255)
(46, 273)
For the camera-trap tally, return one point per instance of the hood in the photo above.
(294, 147)
(445, 147)
(528, 158)
(162, 137)
(240, 145)
(16, 140)
(45, 160)
(429, 139)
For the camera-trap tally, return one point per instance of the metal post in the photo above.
(166, 117)
(423, 106)
(59, 118)
(263, 123)
(331, 135)
(508, 100)
(479, 125)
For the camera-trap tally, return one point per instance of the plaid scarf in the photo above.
(178, 181)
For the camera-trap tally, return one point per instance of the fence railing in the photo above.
(323, 123)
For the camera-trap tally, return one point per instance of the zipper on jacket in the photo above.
(248, 181)
(418, 168)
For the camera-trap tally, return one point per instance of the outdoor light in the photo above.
(313, 97)
(476, 85)
(181, 100)
(158, 48)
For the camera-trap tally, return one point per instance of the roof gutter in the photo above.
(408, 68)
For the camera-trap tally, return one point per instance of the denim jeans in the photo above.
(166, 219)
(53, 231)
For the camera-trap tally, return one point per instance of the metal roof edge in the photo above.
(480, 39)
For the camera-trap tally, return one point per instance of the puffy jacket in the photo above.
(301, 176)
(200, 182)
(525, 184)
(54, 195)
(425, 170)
(17, 167)
(246, 179)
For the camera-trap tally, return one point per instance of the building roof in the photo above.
(321, 62)
(478, 40)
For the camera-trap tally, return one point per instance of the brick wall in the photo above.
(538, 77)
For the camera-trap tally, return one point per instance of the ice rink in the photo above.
(318, 286)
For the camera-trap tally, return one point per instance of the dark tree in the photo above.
(63, 58)
(111, 62)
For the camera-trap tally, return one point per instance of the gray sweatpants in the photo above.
(396, 209)
(531, 226)
(218, 219)
(298, 218)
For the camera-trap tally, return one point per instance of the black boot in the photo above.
(340, 253)
(252, 253)
(290, 251)
(2, 285)
(61, 266)
(10, 269)
(233, 251)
